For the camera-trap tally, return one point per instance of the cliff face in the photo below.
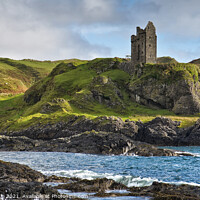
(167, 86)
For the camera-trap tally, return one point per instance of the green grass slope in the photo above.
(168, 73)
(196, 61)
(166, 59)
(18, 75)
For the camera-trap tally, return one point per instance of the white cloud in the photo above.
(57, 29)
(33, 32)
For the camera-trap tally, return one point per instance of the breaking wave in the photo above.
(127, 180)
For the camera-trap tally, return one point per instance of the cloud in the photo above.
(180, 17)
(58, 29)
(43, 30)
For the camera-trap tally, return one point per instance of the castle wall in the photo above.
(151, 44)
(144, 45)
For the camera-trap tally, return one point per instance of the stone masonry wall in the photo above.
(144, 45)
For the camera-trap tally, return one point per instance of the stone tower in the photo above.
(144, 45)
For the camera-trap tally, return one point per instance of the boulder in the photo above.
(21, 182)
(30, 190)
(190, 136)
(164, 191)
(14, 172)
(160, 131)
(96, 185)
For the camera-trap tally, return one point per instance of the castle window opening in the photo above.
(138, 52)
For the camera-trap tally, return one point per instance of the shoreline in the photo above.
(133, 179)
(104, 135)
(88, 143)
(99, 187)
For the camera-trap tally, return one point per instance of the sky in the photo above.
(87, 29)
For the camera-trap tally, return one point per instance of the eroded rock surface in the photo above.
(102, 135)
(157, 190)
(164, 191)
(75, 125)
(165, 86)
(88, 142)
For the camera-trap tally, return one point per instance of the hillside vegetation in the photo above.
(84, 88)
(196, 61)
(166, 59)
(18, 75)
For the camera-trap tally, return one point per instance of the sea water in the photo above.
(129, 170)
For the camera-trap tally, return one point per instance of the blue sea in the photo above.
(129, 170)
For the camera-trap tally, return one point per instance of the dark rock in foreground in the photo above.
(21, 182)
(29, 190)
(164, 191)
(159, 191)
(96, 185)
(14, 172)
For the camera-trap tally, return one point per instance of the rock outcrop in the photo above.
(158, 191)
(96, 185)
(160, 131)
(88, 142)
(13, 172)
(164, 191)
(102, 135)
(163, 131)
(74, 125)
(174, 87)
(19, 181)
(191, 135)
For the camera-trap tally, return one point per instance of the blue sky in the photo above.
(86, 29)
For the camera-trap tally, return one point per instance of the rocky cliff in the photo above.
(167, 86)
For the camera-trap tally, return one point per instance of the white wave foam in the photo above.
(127, 180)
(83, 174)
(190, 153)
(86, 174)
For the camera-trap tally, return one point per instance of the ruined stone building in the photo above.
(144, 45)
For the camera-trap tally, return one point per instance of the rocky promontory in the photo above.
(102, 135)
(89, 143)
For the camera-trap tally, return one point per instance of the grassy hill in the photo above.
(18, 75)
(166, 59)
(196, 61)
(74, 87)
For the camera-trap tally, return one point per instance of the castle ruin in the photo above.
(144, 45)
